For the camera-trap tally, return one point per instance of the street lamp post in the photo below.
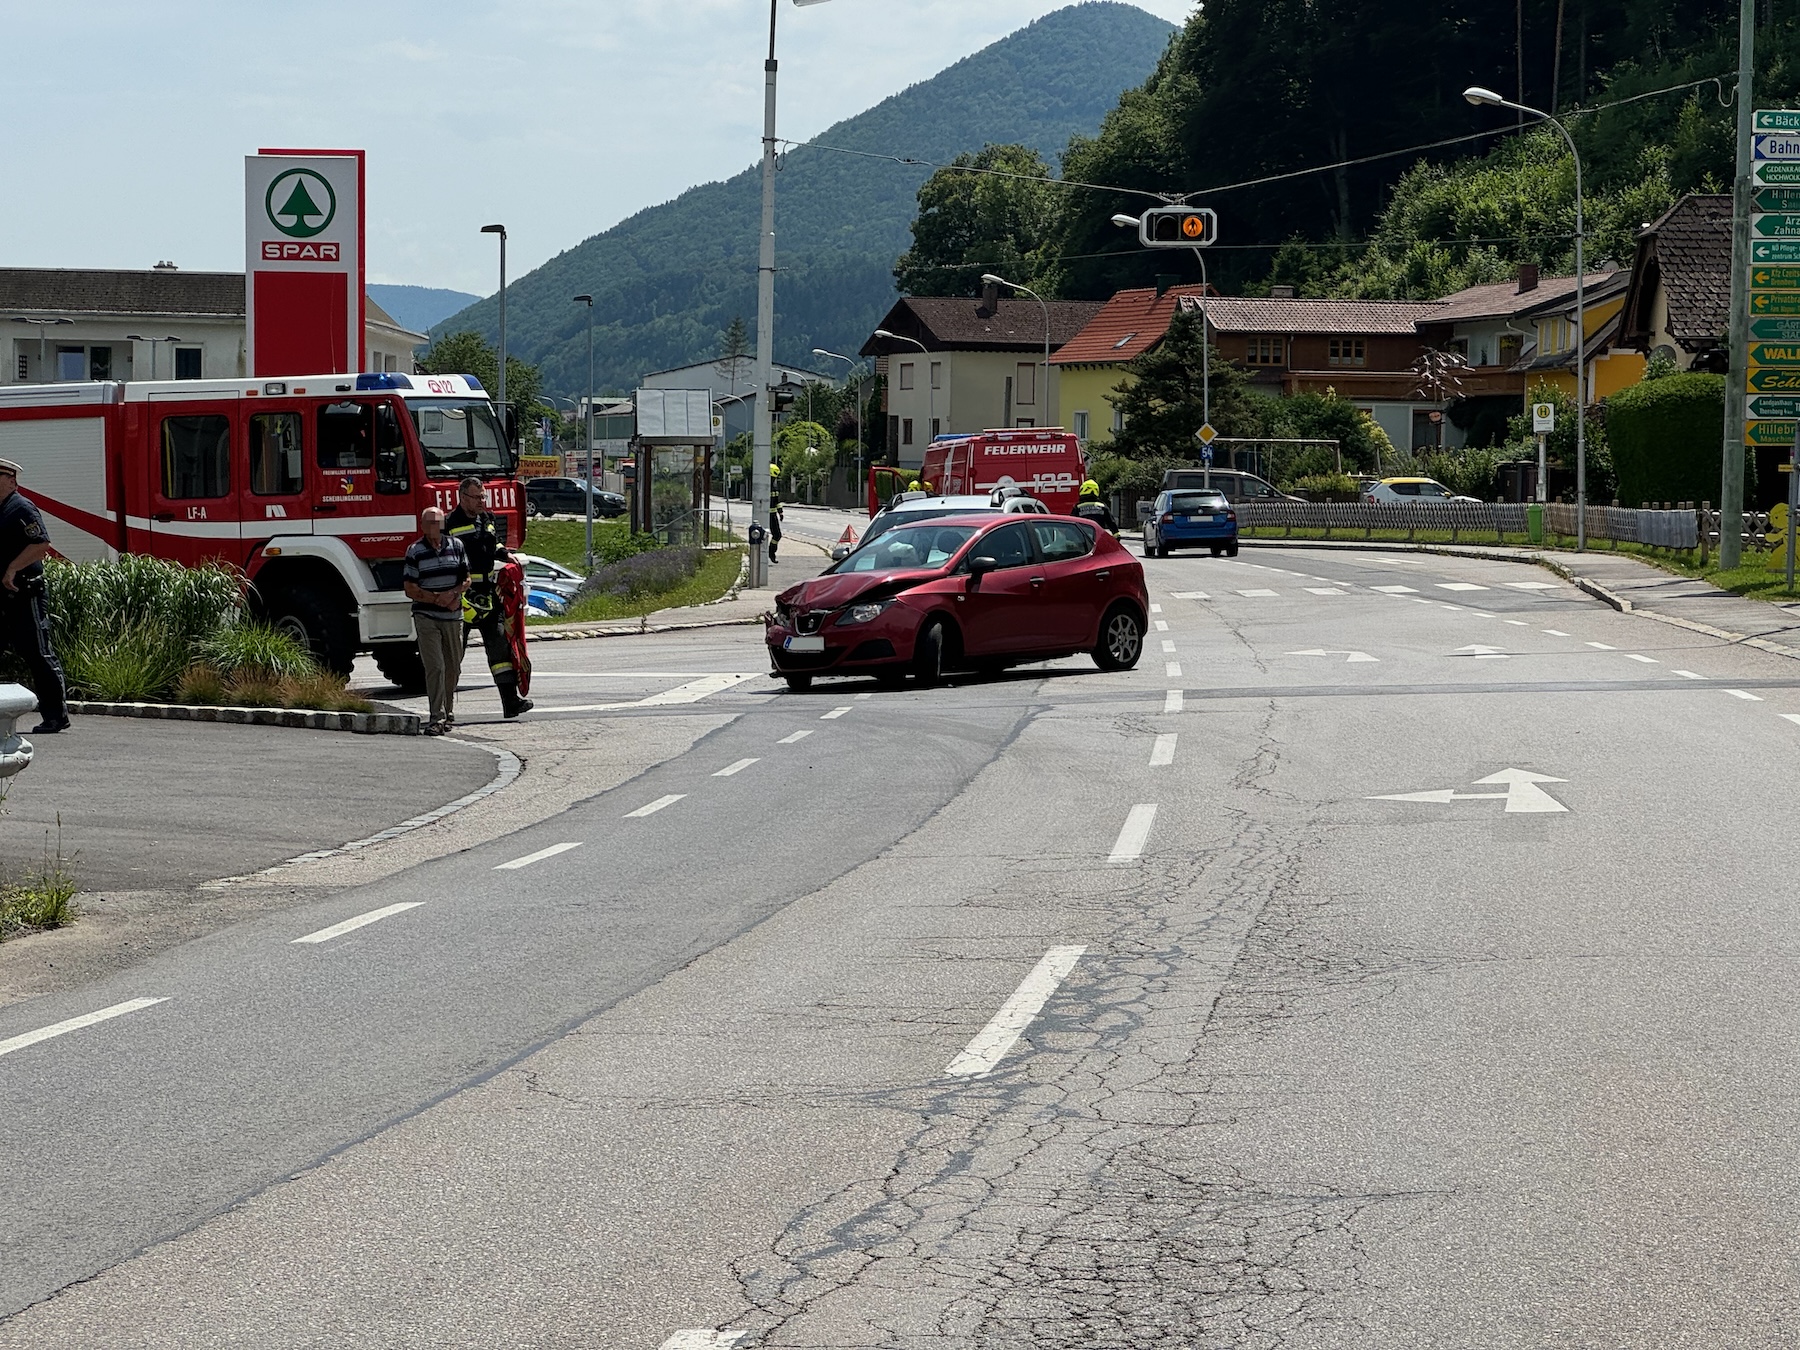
(763, 436)
(41, 325)
(930, 389)
(587, 457)
(501, 231)
(1487, 97)
(1133, 222)
(988, 278)
(856, 395)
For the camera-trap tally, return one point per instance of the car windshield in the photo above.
(1197, 501)
(909, 546)
(895, 519)
(460, 436)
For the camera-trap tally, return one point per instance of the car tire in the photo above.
(531, 507)
(1231, 549)
(1149, 551)
(930, 653)
(798, 684)
(1121, 639)
(1162, 550)
(324, 629)
(1217, 549)
(891, 678)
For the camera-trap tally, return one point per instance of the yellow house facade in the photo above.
(1610, 367)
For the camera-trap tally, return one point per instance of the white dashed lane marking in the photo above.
(1134, 834)
(655, 806)
(1172, 669)
(1555, 632)
(1189, 595)
(373, 916)
(1258, 593)
(1602, 647)
(834, 714)
(1172, 701)
(1323, 590)
(1647, 660)
(797, 736)
(537, 857)
(1163, 751)
(1168, 646)
(1459, 586)
(1162, 625)
(1689, 675)
(732, 769)
(1394, 590)
(1532, 585)
(77, 1023)
(1000, 1035)
(1745, 694)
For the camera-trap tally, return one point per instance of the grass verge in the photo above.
(718, 570)
(43, 900)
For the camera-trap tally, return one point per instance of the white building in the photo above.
(59, 324)
(732, 385)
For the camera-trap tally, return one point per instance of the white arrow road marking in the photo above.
(1350, 658)
(702, 1339)
(1000, 1035)
(1189, 595)
(77, 1023)
(1522, 795)
(1481, 653)
(1172, 701)
(1163, 752)
(655, 806)
(1134, 834)
(377, 915)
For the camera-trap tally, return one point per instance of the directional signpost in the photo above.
(1773, 373)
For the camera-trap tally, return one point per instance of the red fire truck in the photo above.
(313, 486)
(1045, 461)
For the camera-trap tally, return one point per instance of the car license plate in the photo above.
(804, 644)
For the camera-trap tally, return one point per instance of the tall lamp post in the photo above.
(41, 325)
(587, 457)
(501, 231)
(988, 278)
(1133, 223)
(930, 389)
(1487, 97)
(764, 429)
(854, 394)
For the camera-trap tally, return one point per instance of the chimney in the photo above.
(1281, 292)
(990, 299)
(1528, 277)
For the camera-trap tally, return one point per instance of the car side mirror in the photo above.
(979, 568)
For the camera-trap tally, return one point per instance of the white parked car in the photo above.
(1406, 491)
(908, 508)
(547, 575)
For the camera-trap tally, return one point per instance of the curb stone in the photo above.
(368, 724)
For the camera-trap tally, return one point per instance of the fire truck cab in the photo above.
(311, 485)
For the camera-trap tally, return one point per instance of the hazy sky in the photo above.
(128, 121)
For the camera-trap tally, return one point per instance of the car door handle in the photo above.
(1102, 576)
(163, 516)
(322, 506)
(1037, 581)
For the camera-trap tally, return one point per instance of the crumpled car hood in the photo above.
(829, 592)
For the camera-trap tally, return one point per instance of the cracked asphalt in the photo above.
(1335, 1069)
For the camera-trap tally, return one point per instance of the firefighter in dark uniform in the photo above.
(24, 614)
(475, 528)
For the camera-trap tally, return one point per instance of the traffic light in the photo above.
(1178, 227)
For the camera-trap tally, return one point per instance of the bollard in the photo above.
(15, 751)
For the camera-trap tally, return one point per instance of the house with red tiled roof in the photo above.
(1362, 349)
(956, 364)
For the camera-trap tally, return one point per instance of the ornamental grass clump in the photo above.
(126, 628)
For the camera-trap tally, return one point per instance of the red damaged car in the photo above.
(964, 592)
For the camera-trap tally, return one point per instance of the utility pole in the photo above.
(1731, 473)
(763, 425)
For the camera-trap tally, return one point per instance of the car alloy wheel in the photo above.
(1121, 641)
(928, 655)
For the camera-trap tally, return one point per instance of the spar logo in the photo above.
(308, 204)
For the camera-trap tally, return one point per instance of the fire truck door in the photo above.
(275, 498)
(362, 482)
(193, 508)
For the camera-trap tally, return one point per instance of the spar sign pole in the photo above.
(303, 262)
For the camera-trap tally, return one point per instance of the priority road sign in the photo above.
(1207, 434)
(1779, 431)
(1775, 302)
(1775, 354)
(1774, 405)
(1775, 330)
(1774, 381)
(1772, 277)
(1776, 225)
(1775, 251)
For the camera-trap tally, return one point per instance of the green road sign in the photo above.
(1770, 277)
(1775, 405)
(1776, 171)
(1774, 381)
(1776, 225)
(1775, 353)
(1777, 119)
(1777, 199)
(1775, 302)
(1775, 330)
(1778, 432)
(1775, 251)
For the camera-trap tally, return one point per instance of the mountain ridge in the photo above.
(669, 279)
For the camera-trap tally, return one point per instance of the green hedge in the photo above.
(1665, 437)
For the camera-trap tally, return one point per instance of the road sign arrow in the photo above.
(1349, 657)
(1482, 653)
(1523, 796)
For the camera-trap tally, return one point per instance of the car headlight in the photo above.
(863, 613)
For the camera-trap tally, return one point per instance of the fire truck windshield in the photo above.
(459, 436)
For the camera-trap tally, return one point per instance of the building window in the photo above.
(1346, 351)
(24, 366)
(71, 364)
(1265, 351)
(893, 430)
(196, 457)
(1118, 420)
(187, 363)
(937, 427)
(906, 428)
(906, 374)
(1025, 385)
(99, 363)
(1025, 422)
(937, 374)
(1510, 346)
(275, 454)
(1081, 424)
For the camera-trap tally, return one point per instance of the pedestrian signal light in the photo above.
(1178, 227)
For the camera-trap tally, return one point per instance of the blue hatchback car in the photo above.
(1191, 519)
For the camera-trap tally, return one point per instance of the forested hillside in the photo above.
(668, 281)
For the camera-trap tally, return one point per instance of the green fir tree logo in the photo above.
(300, 216)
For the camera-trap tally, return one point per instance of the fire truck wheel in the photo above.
(328, 632)
(401, 666)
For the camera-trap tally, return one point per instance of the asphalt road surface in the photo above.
(1402, 955)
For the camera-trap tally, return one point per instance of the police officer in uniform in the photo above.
(24, 614)
(474, 527)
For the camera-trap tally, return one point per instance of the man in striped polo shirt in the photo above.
(436, 573)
